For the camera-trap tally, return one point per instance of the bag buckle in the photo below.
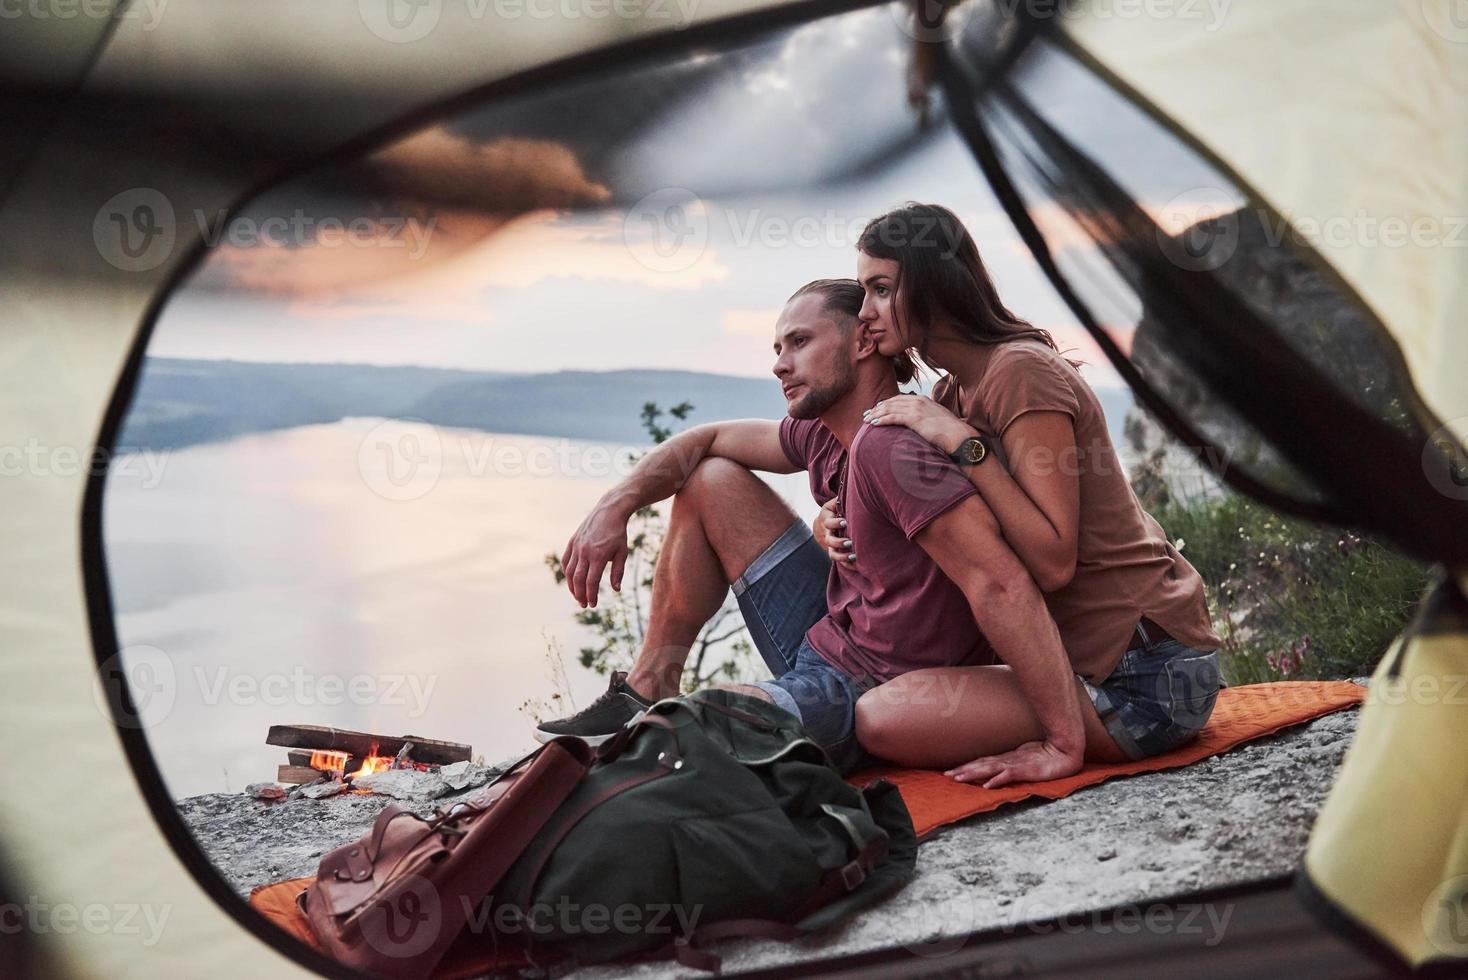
(852, 875)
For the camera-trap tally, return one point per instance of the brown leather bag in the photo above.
(393, 902)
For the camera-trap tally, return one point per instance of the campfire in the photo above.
(322, 762)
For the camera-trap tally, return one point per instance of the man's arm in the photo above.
(602, 537)
(966, 544)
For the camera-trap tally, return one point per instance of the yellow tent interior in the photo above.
(1313, 107)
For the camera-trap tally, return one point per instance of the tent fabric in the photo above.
(1202, 313)
(1240, 715)
(1389, 849)
(201, 105)
(208, 103)
(1365, 137)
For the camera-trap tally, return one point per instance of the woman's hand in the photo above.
(925, 417)
(1032, 762)
(829, 529)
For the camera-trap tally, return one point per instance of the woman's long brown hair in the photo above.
(942, 277)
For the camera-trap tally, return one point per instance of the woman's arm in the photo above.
(1036, 499)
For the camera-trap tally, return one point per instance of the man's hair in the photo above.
(842, 298)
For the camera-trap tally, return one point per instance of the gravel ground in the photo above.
(1233, 818)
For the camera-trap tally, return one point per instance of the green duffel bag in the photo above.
(711, 816)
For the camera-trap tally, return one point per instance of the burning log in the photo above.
(364, 746)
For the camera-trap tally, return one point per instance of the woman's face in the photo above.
(878, 278)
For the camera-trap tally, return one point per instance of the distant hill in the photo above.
(187, 402)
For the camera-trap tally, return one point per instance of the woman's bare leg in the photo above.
(942, 717)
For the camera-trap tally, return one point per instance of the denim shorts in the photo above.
(782, 594)
(1159, 696)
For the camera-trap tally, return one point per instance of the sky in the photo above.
(655, 220)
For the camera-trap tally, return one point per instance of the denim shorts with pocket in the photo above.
(1159, 696)
(782, 594)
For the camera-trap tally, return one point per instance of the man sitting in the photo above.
(934, 563)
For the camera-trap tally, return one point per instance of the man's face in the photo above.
(814, 357)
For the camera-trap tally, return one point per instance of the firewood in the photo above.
(362, 744)
(297, 774)
(299, 757)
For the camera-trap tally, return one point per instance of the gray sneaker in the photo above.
(601, 719)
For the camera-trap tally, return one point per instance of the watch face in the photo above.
(973, 450)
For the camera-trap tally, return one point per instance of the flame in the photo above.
(328, 761)
(374, 763)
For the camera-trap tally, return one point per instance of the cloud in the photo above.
(504, 176)
(751, 323)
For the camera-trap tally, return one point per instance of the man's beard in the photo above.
(818, 399)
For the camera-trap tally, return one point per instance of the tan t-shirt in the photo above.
(1125, 566)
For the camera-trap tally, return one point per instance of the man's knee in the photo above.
(713, 476)
(750, 690)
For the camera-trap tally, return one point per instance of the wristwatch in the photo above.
(970, 452)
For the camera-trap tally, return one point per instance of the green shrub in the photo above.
(1292, 599)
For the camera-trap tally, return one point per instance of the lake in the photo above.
(371, 574)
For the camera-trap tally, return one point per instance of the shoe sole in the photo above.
(542, 736)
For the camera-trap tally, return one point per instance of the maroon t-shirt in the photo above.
(892, 610)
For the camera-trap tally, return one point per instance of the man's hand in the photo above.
(1032, 762)
(601, 539)
(829, 529)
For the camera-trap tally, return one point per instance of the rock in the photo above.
(266, 791)
(319, 791)
(1036, 859)
(464, 775)
(403, 784)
